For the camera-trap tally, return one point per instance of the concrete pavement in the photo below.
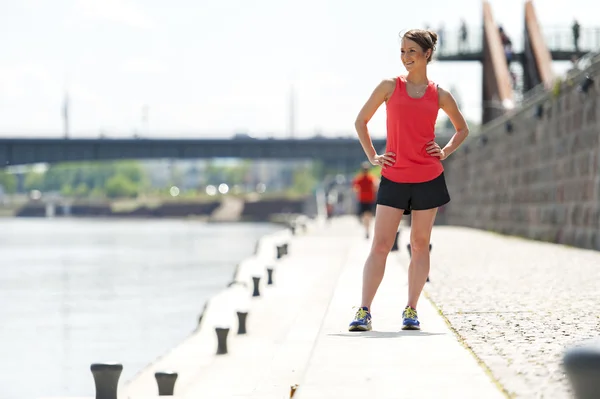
(388, 362)
(297, 334)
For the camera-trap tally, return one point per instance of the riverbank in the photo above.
(225, 208)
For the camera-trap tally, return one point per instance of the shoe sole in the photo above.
(360, 328)
(411, 327)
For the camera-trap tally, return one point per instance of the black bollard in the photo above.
(256, 281)
(106, 378)
(395, 246)
(582, 365)
(279, 251)
(242, 316)
(166, 382)
(285, 248)
(269, 276)
(222, 340)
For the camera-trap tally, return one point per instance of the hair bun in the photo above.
(434, 37)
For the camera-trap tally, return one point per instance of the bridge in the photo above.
(336, 152)
(508, 80)
(343, 153)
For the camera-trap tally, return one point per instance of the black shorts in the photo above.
(366, 207)
(413, 196)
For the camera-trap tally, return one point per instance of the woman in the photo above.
(412, 178)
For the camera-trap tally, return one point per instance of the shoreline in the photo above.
(236, 294)
(226, 209)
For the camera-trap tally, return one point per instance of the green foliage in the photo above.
(119, 186)
(303, 181)
(237, 174)
(85, 179)
(33, 181)
(231, 174)
(8, 182)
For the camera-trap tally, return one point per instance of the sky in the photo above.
(214, 68)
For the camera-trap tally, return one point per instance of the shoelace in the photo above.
(410, 313)
(361, 314)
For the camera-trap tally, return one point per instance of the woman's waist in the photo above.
(414, 161)
(410, 137)
(410, 151)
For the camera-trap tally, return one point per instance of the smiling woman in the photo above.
(412, 179)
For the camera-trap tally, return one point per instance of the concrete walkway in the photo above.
(297, 334)
(388, 362)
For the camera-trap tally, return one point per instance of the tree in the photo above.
(80, 179)
(304, 180)
(8, 182)
(34, 181)
(119, 186)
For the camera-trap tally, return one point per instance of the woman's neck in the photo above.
(417, 77)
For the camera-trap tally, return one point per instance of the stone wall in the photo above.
(535, 173)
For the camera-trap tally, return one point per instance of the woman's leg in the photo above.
(387, 220)
(418, 270)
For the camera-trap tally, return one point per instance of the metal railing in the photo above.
(562, 39)
(558, 39)
(451, 42)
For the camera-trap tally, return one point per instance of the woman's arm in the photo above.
(379, 95)
(449, 106)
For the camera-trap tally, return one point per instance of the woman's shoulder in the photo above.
(389, 84)
(442, 93)
(386, 87)
(390, 81)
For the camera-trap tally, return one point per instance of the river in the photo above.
(78, 291)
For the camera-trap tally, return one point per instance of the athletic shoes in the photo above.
(362, 320)
(410, 320)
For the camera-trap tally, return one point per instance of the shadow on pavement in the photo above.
(386, 334)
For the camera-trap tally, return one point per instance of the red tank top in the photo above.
(410, 126)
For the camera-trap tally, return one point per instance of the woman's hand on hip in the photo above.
(387, 159)
(435, 150)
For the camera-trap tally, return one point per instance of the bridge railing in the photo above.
(558, 38)
(451, 43)
(562, 39)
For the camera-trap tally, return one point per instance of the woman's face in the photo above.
(412, 55)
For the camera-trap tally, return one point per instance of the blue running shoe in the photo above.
(362, 320)
(410, 320)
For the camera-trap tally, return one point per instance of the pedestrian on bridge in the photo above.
(412, 175)
(576, 30)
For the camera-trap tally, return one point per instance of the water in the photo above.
(78, 291)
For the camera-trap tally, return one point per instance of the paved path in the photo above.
(230, 210)
(388, 362)
(297, 334)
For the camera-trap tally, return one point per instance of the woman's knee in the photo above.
(419, 244)
(382, 245)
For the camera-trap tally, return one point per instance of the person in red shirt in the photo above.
(412, 176)
(365, 187)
